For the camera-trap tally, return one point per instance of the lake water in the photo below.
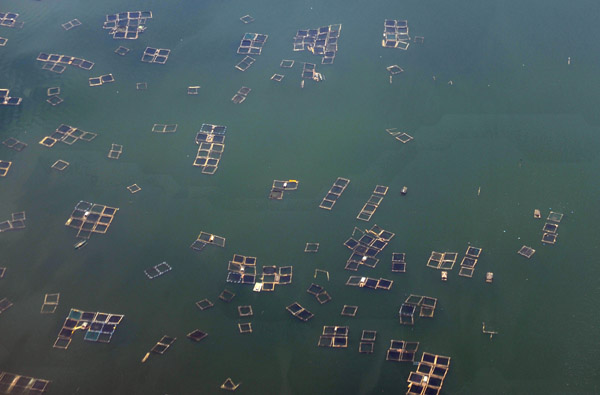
(518, 124)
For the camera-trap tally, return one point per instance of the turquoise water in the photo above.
(518, 122)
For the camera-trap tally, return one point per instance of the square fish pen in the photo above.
(197, 335)
(334, 193)
(205, 238)
(193, 90)
(319, 293)
(204, 304)
(50, 303)
(135, 188)
(402, 351)
(430, 374)
(311, 247)
(398, 262)
(60, 165)
(122, 51)
(334, 337)
(164, 128)
(16, 384)
(156, 55)
(526, 251)
(245, 327)
(372, 204)
(4, 167)
(286, 64)
(98, 327)
(277, 77)
(157, 270)
(247, 19)
(14, 144)
(299, 312)
(67, 134)
(252, 44)
(349, 311)
(245, 311)
(364, 250)
(395, 34)
(163, 344)
(126, 25)
(367, 342)
(400, 136)
(241, 95)
(115, 151)
(89, 218)
(229, 385)
(245, 63)
(226, 296)
(322, 41)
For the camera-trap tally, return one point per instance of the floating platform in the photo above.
(334, 193)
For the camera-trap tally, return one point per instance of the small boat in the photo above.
(444, 276)
(80, 244)
(537, 214)
(404, 190)
(489, 277)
